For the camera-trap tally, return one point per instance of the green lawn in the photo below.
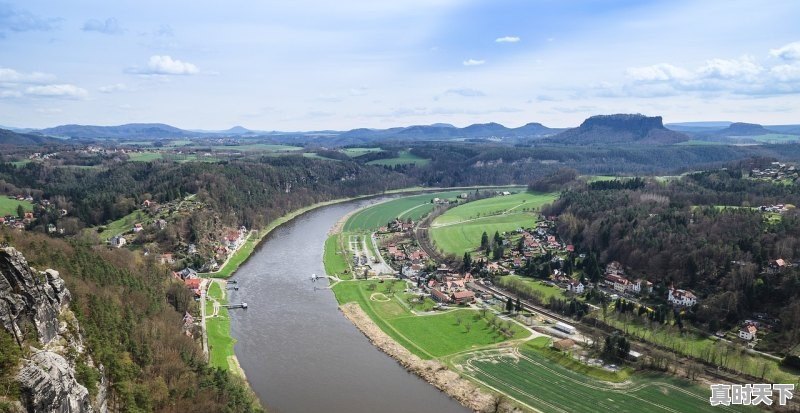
(466, 236)
(379, 215)
(517, 283)
(220, 342)
(496, 205)
(121, 225)
(334, 258)
(8, 206)
(145, 156)
(533, 379)
(403, 158)
(431, 336)
(258, 147)
(353, 152)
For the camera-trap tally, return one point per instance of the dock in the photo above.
(232, 306)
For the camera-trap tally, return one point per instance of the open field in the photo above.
(429, 336)
(529, 377)
(464, 237)
(220, 342)
(145, 156)
(379, 215)
(545, 290)
(255, 147)
(403, 158)
(495, 206)
(121, 225)
(334, 258)
(353, 152)
(8, 206)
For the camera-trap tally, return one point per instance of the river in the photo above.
(298, 351)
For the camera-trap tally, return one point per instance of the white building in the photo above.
(748, 332)
(118, 241)
(576, 287)
(681, 297)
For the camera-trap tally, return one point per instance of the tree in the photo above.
(498, 252)
(517, 305)
(467, 261)
(485, 241)
(20, 211)
(509, 305)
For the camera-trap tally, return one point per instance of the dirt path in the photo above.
(432, 371)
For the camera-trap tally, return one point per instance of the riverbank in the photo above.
(432, 371)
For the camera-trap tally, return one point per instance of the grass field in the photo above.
(220, 342)
(353, 152)
(531, 378)
(257, 147)
(145, 156)
(495, 206)
(546, 290)
(8, 206)
(121, 225)
(403, 158)
(430, 336)
(379, 215)
(459, 229)
(334, 258)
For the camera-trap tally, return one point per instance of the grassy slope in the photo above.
(460, 238)
(220, 342)
(145, 156)
(403, 158)
(122, 225)
(379, 215)
(334, 258)
(546, 290)
(496, 205)
(8, 206)
(426, 336)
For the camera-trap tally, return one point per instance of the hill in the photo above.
(131, 130)
(619, 129)
(743, 129)
(8, 137)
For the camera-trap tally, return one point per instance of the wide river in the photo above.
(298, 351)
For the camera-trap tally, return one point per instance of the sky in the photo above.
(316, 65)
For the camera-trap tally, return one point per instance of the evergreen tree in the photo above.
(467, 261)
(509, 305)
(517, 305)
(20, 211)
(485, 241)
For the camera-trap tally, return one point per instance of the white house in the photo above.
(575, 287)
(748, 332)
(619, 283)
(118, 241)
(637, 286)
(681, 297)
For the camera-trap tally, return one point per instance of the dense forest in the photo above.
(131, 315)
(702, 232)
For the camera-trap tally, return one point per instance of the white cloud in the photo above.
(117, 87)
(166, 65)
(658, 72)
(507, 39)
(730, 68)
(466, 92)
(788, 52)
(9, 94)
(109, 26)
(786, 73)
(473, 62)
(13, 76)
(65, 91)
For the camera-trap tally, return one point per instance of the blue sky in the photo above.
(309, 65)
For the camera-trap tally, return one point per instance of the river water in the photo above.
(298, 351)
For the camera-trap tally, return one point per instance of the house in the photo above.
(681, 297)
(614, 268)
(29, 215)
(575, 286)
(118, 241)
(748, 332)
(462, 297)
(570, 248)
(617, 282)
(137, 227)
(147, 203)
(638, 285)
(438, 295)
(167, 258)
(193, 284)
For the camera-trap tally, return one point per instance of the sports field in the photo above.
(529, 377)
(413, 207)
(428, 336)
(8, 206)
(403, 158)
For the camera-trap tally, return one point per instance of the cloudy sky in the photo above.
(309, 65)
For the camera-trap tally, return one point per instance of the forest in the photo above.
(702, 232)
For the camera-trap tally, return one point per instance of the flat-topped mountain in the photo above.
(744, 129)
(619, 129)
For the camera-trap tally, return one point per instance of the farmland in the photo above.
(528, 376)
(8, 206)
(403, 158)
(429, 336)
(412, 207)
(353, 152)
(459, 229)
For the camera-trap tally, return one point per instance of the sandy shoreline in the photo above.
(432, 371)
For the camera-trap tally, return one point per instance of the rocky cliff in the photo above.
(34, 309)
(620, 129)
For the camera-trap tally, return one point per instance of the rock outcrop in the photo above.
(620, 129)
(34, 308)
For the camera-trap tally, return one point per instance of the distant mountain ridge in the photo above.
(620, 129)
(127, 131)
(8, 137)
